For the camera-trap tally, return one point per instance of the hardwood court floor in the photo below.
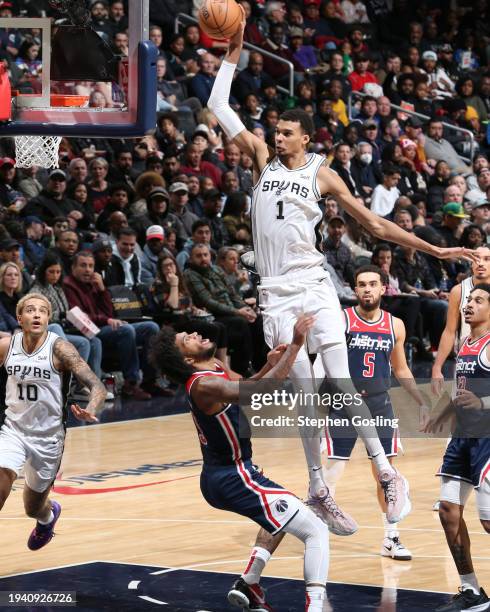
(167, 523)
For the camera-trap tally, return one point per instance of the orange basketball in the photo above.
(220, 18)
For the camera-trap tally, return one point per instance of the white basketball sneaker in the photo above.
(392, 547)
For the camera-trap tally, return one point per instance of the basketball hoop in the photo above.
(43, 151)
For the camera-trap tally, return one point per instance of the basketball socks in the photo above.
(315, 596)
(258, 560)
(390, 528)
(469, 581)
(49, 519)
(317, 484)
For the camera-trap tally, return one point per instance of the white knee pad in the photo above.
(308, 528)
(455, 491)
(483, 500)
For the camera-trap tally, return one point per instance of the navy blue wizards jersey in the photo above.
(473, 374)
(369, 346)
(219, 434)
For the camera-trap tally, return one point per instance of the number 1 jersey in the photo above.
(286, 218)
(34, 395)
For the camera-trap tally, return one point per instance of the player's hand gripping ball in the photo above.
(220, 18)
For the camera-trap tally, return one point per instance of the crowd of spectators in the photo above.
(164, 218)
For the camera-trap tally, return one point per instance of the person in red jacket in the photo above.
(360, 76)
(85, 288)
(193, 164)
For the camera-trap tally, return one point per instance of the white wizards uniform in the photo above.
(32, 434)
(285, 223)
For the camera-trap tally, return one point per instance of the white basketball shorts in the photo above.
(283, 299)
(39, 456)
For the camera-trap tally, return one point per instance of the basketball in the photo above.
(220, 18)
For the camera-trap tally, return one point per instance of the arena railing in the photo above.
(449, 126)
(183, 18)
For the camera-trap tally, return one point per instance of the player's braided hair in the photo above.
(77, 10)
(166, 358)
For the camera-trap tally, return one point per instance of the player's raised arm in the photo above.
(219, 104)
(67, 359)
(330, 182)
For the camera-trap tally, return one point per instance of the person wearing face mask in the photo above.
(365, 172)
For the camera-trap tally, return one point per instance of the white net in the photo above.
(39, 151)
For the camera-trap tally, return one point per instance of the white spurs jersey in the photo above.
(464, 329)
(286, 218)
(34, 396)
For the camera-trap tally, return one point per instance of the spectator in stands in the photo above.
(210, 290)
(29, 185)
(436, 147)
(119, 198)
(179, 199)
(117, 15)
(235, 216)
(360, 75)
(200, 86)
(480, 213)
(274, 13)
(232, 162)
(212, 206)
(415, 276)
(98, 186)
(11, 287)
(193, 164)
(153, 249)
(195, 201)
(67, 244)
(385, 195)
(77, 170)
(228, 260)
(173, 305)
(450, 229)
(438, 183)
(201, 234)
(51, 202)
(342, 166)
(117, 221)
(275, 44)
(479, 193)
(145, 183)
(158, 201)
(169, 138)
(34, 245)
(122, 171)
(85, 288)
(49, 282)
(253, 79)
(337, 254)
(102, 250)
(365, 172)
(125, 266)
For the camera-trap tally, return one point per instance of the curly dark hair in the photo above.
(166, 358)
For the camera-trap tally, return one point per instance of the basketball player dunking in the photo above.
(285, 215)
(33, 433)
(375, 343)
(466, 462)
(229, 479)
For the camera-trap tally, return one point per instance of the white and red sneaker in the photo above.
(248, 597)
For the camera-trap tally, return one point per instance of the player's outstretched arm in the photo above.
(446, 343)
(68, 359)
(329, 182)
(211, 392)
(219, 104)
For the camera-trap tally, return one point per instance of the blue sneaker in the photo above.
(43, 534)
